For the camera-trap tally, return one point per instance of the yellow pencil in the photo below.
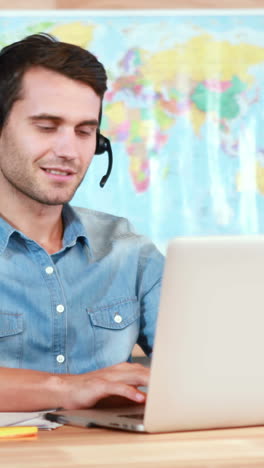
(12, 432)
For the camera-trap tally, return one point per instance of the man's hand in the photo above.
(31, 390)
(85, 390)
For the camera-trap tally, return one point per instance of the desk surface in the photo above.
(76, 447)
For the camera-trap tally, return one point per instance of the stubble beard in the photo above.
(30, 190)
(20, 180)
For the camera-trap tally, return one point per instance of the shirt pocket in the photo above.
(115, 330)
(116, 315)
(11, 328)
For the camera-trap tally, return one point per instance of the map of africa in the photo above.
(184, 113)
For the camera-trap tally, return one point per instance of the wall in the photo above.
(129, 4)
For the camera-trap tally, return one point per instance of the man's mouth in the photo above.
(52, 171)
(59, 172)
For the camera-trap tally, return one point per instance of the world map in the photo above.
(184, 113)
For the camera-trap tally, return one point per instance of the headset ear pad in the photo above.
(101, 143)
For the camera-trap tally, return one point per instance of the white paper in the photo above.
(27, 419)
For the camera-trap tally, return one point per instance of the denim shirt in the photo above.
(81, 308)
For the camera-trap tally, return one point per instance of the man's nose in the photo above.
(65, 144)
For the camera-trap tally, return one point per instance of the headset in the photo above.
(102, 143)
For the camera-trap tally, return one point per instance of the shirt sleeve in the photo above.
(151, 267)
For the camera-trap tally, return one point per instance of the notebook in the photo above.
(207, 369)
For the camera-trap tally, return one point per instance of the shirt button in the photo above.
(118, 318)
(49, 270)
(60, 308)
(60, 358)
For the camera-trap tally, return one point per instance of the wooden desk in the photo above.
(75, 447)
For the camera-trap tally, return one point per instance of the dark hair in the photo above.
(46, 51)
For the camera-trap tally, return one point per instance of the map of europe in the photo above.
(184, 113)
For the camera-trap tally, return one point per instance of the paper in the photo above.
(27, 419)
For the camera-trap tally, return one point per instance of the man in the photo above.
(78, 288)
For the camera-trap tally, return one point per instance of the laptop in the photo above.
(207, 369)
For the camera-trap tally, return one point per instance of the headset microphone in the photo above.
(102, 145)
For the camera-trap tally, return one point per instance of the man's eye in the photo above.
(84, 132)
(46, 127)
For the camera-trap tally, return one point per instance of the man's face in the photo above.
(49, 139)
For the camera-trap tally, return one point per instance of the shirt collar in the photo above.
(73, 227)
(5, 232)
(73, 230)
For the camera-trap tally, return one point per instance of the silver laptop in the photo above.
(207, 369)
